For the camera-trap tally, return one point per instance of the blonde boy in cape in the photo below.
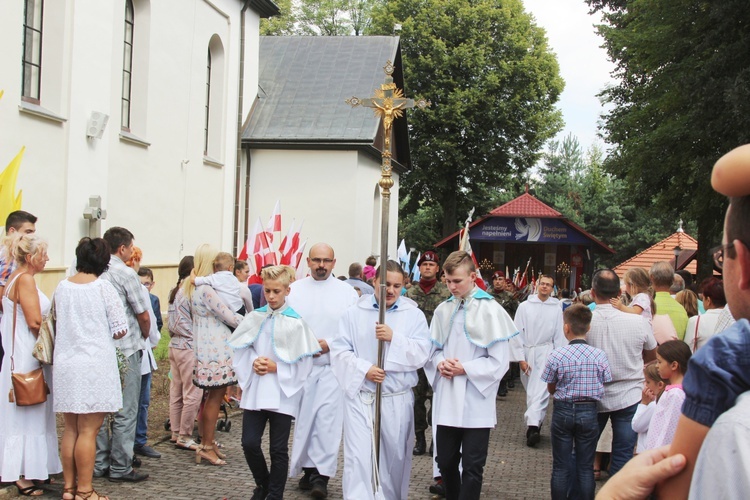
(274, 349)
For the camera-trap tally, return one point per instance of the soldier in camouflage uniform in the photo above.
(428, 294)
(510, 304)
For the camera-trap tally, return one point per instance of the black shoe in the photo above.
(502, 392)
(259, 493)
(131, 477)
(532, 436)
(146, 451)
(320, 487)
(101, 473)
(437, 488)
(136, 461)
(304, 483)
(511, 384)
(420, 445)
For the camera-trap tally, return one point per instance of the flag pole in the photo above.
(389, 104)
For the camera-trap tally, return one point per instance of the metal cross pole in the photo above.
(389, 104)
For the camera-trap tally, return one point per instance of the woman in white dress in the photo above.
(87, 382)
(28, 437)
(702, 327)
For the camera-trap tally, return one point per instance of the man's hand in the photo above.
(263, 366)
(375, 374)
(525, 367)
(639, 476)
(383, 332)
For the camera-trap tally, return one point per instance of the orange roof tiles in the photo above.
(525, 206)
(664, 251)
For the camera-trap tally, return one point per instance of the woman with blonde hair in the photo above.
(213, 370)
(28, 436)
(689, 300)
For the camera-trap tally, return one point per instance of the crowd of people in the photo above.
(650, 368)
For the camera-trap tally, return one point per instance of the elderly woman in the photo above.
(184, 396)
(28, 438)
(702, 327)
(213, 371)
(89, 316)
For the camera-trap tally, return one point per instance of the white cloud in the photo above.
(583, 63)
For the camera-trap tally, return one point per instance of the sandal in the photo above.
(189, 445)
(217, 450)
(204, 452)
(85, 495)
(29, 491)
(69, 491)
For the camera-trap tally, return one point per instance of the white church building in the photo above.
(178, 115)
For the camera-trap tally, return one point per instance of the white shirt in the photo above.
(721, 470)
(623, 337)
(702, 326)
(321, 304)
(227, 287)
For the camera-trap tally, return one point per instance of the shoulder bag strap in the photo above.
(15, 311)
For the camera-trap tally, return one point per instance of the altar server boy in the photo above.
(354, 362)
(470, 333)
(274, 349)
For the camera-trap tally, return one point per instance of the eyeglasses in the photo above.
(718, 254)
(317, 260)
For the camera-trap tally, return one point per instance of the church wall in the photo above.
(154, 180)
(333, 191)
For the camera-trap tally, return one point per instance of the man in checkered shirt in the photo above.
(628, 341)
(575, 376)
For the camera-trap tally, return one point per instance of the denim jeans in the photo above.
(573, 424)
(114, 450)
(623, 436)
(141, 427)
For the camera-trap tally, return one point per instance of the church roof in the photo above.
(303, 82)
(664, 251)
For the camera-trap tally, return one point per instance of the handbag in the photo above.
(27, 389)
(44, 346)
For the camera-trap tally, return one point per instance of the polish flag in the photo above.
(266, 253)
(298, 255)
(466, 247)
(256, 246)
(290, 244)
(274, 223)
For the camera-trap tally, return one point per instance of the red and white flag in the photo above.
(298, 255)
(274, 223)
(290, 244)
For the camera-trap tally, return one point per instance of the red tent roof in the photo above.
(664, 251)
(525, 206)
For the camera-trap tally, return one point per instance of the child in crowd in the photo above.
(575, 376)
(653, 387)
(235, 296)
(274, 351)
(672, 361)
(148, 365)
(637, 284)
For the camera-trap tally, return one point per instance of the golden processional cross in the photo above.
(389, 104)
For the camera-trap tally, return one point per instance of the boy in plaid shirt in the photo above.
(575, 376)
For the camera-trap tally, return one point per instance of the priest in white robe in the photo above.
(470, 333)
(320, 299)
(540, 324)
(354, 361)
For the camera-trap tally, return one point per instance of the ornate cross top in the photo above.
(389, 104)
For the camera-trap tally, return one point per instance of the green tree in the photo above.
(281, 25)
(683, 100)
(493, 82)
(323, 17)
